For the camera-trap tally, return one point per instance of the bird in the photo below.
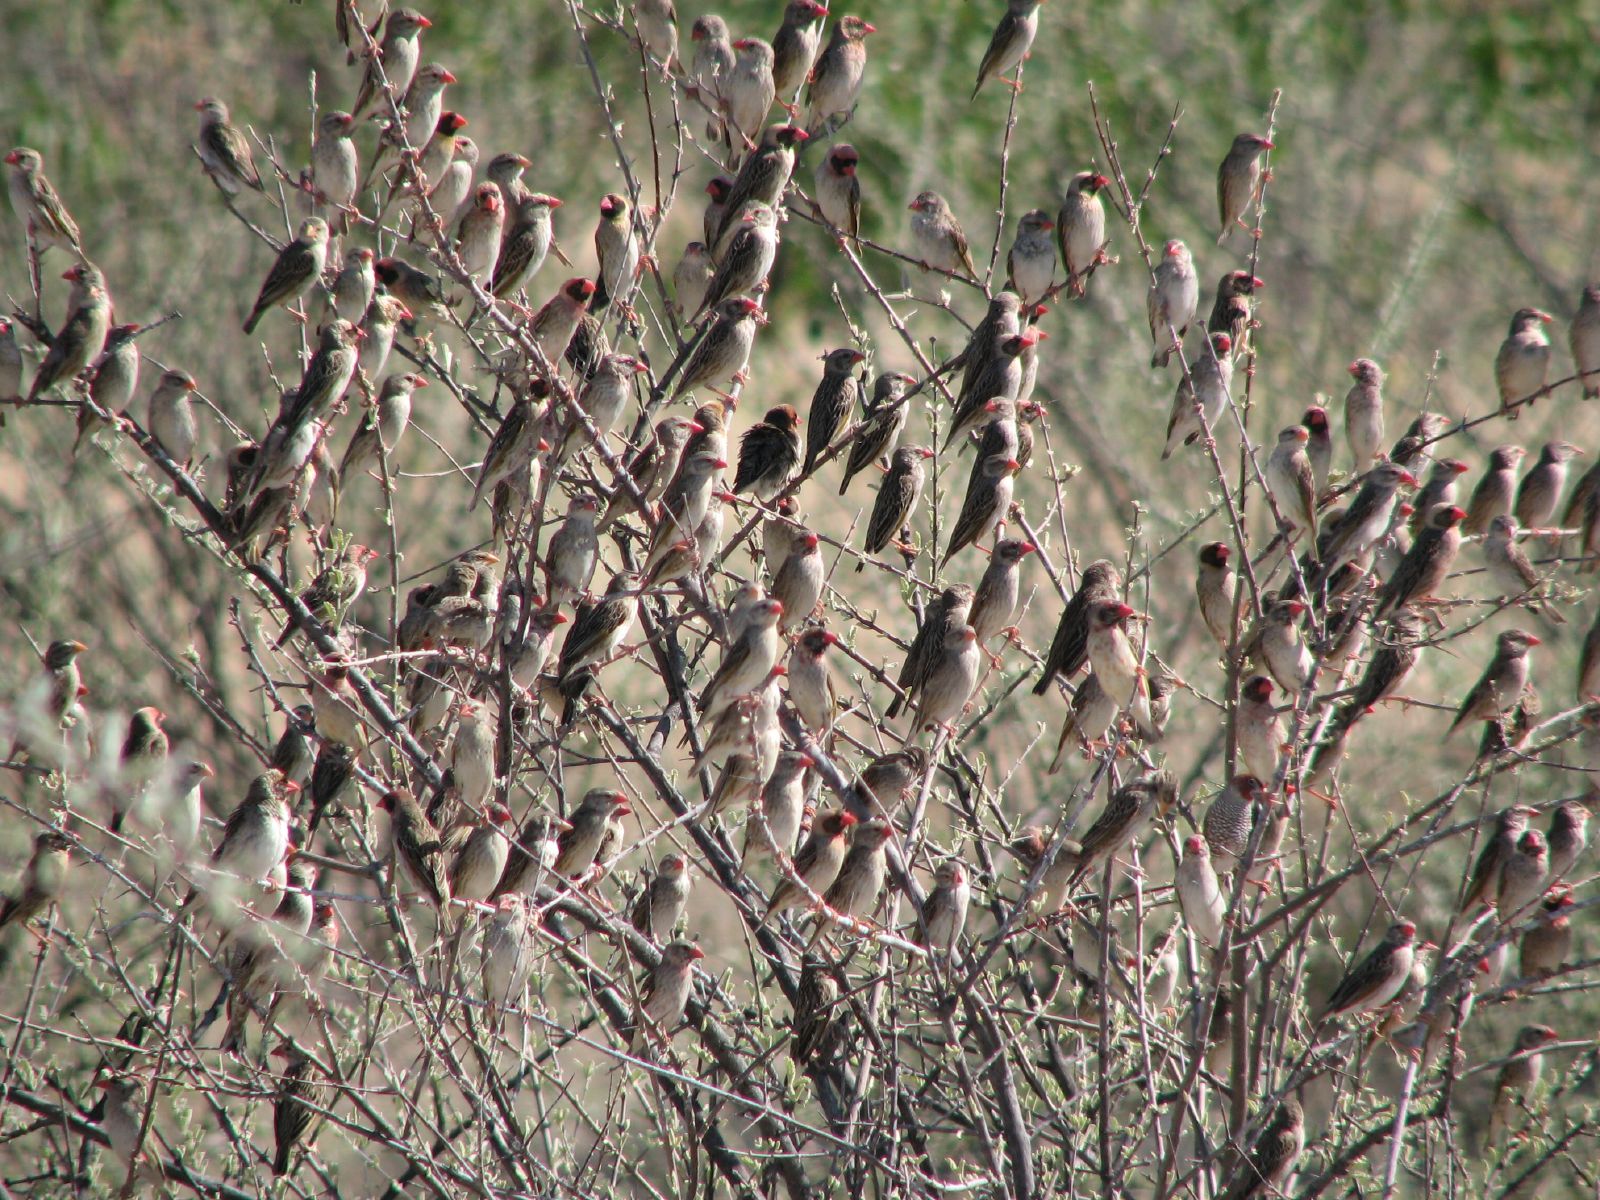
(1583, 338)
(171, 419)
(1230, 822)
(1568, 837)
(1201, 396)
(1087, 720)
(995, 384)
(1259, 729)
(1426, 565)
(1276, 1153)
(949, 611)
(143, 758)
(1292, 483)
(1522, 364)
(838, 74)
(1319, 446)
(691, 278)
(940, 242)
(987, 501)
(573, 552)
(657, 25)
(951, 675)
(76, 345)
(684, 505)
(11, 369)
(512, 448)
(762, 177)
(1500, 686)
(748, 91)
(713, 63)
(418, 848)
(752, 249)
(1539, 493)
(255, 837)
(723, 351)
(616, 246)
(558, 318)
(1377, 978)
(854, 892)
(1366, 520)
(224, 151)
(1199, 894)
(1215, 592)
(479, 851)
(799, 582)
(995, 602)
(1493, 495)
(1547, 943)
(1129, 815)
(748, 660)
(1233, 310)
(1009, 45)
(878, 435)
(43, 879)
(1081, 229)
(1512, 571)
(335, 174)
(1523, 877)
(653, 467)
(665, 995)
(598, 630)
(1031, 261)
(1100, 583)
(1363, 413)
(774, 824)
(507, 952)
(1173, 300)
(1277, 647)
(1483, 885)
(524, 245)
(1517, 1079)
(815, 865)
(662, 900)
(1109, 651)
(382, 425)
(37, 204)
(351, 294)
(595, 825)
(477, 242)
(832, 403)
(1239, 180)
(795, 46)
(298, 266)
(836, 188)
(392, 69)
(769, 454)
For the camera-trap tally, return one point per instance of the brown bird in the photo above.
(1231, 819)
(666, 993)
(1522, 877)
(1233, 310)
(395, 65)
(896, 499)
(1081, 229)
(1376, 979)
(1173, 300)
(77, 345)
(298, 266)
(995, 602)
(949, 611)
(1539, 493)
(1493, 495)
(418, 848)
(769, 454)
(1517, 1079)
(833, 402)
(1259, 729)
(952, 674)
(1547, 943)
(940, 241)
(594, 825)
(1273, 1158)
(1568, 837)
(837, 77)
(854, 893)
(1099, 584)
(795, 46)
(723, 351)
(1239, 180)
(836, 188)
(816, 864)
(224, 151)
(1584, 340)
(1129, 815)
(1483, 886)
(38, 206)
(661, 901)
(1426, 565)
(1214, 591)
(43, 879)
(1500, 686)
(985, 506)
(1522, 365)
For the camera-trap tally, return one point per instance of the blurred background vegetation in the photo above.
(1436, 170)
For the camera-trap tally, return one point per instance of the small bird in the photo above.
(11, 368)
(837, 77)
(684, 505)
(557, 320)
(298, 266)
(879, 432)
(76, 346)
(573, 552)
(1010, 44)
(477, 242)
(854, 893)
(616, 245)
(889, 780)
(1087, 720)
(665, 995)
(478, 854)
(950, 611)
(255, 837)
(995, 602)
(940, 242)
(1031, 261)
(143, 757)
(1199, 894)
(1546, 944)
(507, 952)
(382, 425)
(1584, 340)
(1539, 494)
(111, 387)
(1319, 446)
(815, 866)
(1173, 300)
(1517, 1079)
(1512, 571)
(598, 630)
(811, 687)
(1376, 979)
(795, 46)
(752, 249)
(1201, 396)
(748, 91)
(351, 294)
(171, 419)
(1215, 592)
(38, 206)
(653, 467)
(984, 509)
(1523, 876)
(713, 63)
(1233, 310)
(513, 447)
(1483, 885)
(1277, 647)
(774, 823)
(1230, 822)
(719, 189)
(395, 65)
(723, 351)
(944, 912)
(1259, 729)
(951, 676)
(1568, 837)
(691, 279)
(418, 848)
(1522, 364)
(835, 399)
(1364, 522)
(1110, 652)
(43, 879)
(1363, 413)
(1129, 816)
(799, 582)
(1293, 484)
(1239, 180)
(224, 151)
(657, 23)
(995, 384)
(335, 175)
(1500, 686)
(1493, 495)
(1100, 583)
(769, 454)
(1081, 230)
(748, 661)
(1426, 565)
(836, 187)
(595, 825)
(662, 901)
(1439, 488)
(525, 244)
(1276, 1153)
